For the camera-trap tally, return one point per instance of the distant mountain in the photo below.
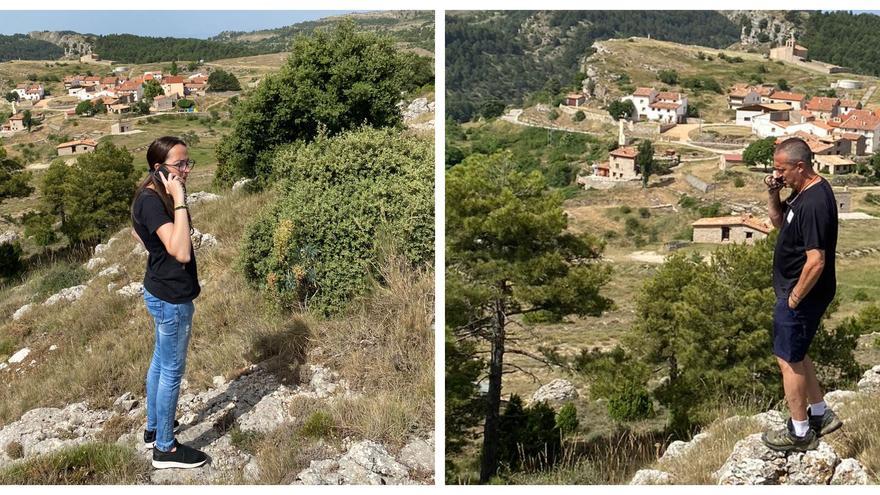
(22, 47)
(411, 28)
(504, 56)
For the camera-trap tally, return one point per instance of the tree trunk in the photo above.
(489, 461)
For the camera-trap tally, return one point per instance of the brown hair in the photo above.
(157, 153)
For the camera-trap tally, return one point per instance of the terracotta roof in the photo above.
(87, 142)
(18, 116)
(740, 90)
(862, 120)
(851, 103)
(816, 146)
(574, 96)
(669, 95)
(772, 107)
(821, 124)
(851, 136)
(643, 91)
(662, 105)
(781, 123)
(108, 80)
(603, 165)
(625, 152)
(129, 86)
(764, 91)
(172, 80)
(733, 158)
(834, 160)
(93, 78)
(822, 104)
(787, 95)
(747, 220)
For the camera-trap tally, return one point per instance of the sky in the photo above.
(174, 23)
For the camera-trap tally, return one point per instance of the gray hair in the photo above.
(795, 150)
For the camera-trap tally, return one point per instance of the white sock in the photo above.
(800, 427)
(817, 409)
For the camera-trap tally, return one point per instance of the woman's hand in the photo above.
(173, 187)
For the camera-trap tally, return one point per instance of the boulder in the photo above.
(837, 398)
(558, 390)
(94, 263)
(139, 250)
(418, 454)
(110, 271)
(20, 312)
(132, 289)
(125, 403)
(849, 472)
(870, 382)
(751, 463)
(651, 477)
(201, 197)
(770, 420)
(19, 356)
(241, 183)
(69, 294)
(9, 236)
(815, 467)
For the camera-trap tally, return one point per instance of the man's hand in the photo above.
(793, 301)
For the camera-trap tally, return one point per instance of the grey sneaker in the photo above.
(784, 439)
(824, 424)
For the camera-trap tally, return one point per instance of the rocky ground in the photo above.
(752, 463)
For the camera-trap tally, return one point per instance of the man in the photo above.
(804, 281)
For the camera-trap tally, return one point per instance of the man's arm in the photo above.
(809, 275)
(774, 207)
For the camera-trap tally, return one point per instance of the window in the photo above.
(749, 235)
(725, 233)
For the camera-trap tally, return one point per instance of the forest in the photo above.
(131, 49)
(22, 47)
(845, 39)
(492, 57)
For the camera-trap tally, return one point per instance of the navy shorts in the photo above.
(794, 329)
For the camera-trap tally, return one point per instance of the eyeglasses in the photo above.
(183, 164)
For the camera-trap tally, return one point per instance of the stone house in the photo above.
(833, 164)
(721, 230)
(76, 147)
(622, 163)
(575, 99)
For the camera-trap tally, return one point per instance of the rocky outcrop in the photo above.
(201, 197)
(9, 236)
(870, 382)
(69, 294)
(202, 241)
(651, 477)
(241, 183)
(20, 312)
(558, 390)
(131, 290)
(74, 44)
(365, 463)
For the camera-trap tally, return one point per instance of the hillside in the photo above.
(21, 47)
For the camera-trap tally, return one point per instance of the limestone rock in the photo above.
(770, 420)
(125, 402)
(95, 263)
(558, 390)
(69, 294)
(815, 467)
(751, 463)
(849, 472)
(651, 477)
(241, 183)
(139, 250)
(870, 382)
(20, 312)
(679, 448)
(9, 237)
(131, 290)
(418, 454)
(19, 356)
(201, 197)
(837, 398)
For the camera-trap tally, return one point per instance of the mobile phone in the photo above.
(164, 171)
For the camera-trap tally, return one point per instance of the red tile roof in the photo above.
(861, 120)
(172, 80)
(662, 105)
(669, 95)
(851, 103)
(643, 91)
(787, 95)
(822, 104)
(625, 152)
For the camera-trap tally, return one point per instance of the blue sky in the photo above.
(176, 23)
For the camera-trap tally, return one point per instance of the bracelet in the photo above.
(181, 207)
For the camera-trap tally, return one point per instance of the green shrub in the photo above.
(318, 425)
(60, 276)
(527, 434)
(566, 419)
(872, 198)
(579, 116)
(39, 225)
(626, 210)
(87, 464)
(631, 403)
(739, 182)
(860, 295)
(644, 212)
(246, 441)
(688, 201)
(343, 199)
(553, 115)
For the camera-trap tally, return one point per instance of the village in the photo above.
(117, 95)
(840, 131)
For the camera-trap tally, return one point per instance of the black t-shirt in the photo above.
(809, 221)
(165, 278)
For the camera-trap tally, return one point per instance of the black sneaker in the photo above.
(824, 424)
(182, 458)
(150, 435)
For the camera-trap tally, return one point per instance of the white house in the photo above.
(795, 100)
(847, 105)
(668, 107)
(763, 126)
(823, 107)
(776, 111)
(864, 123)
(29, 92)
(742, 95)
(818, 128)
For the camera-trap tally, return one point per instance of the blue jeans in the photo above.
(173, 329)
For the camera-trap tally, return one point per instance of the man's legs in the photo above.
(796, 385)
(814, 390)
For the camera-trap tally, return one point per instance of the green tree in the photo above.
(12, 96)
(96, 194)
(509, 253)
(14, 180)
(27, 119)
(567, 419)
(141, 108)
(491, 109)
(152, 89)
(622, 109)
(668, 76)
(464, 406)
(783, 85)
(874, 166)
(10, 260)
(190, 138)
(174, 69)
(220, 80)
(760, 152)
(579, 116)
(645, 161)
(526, 433)
(335, 80)
(85, 108)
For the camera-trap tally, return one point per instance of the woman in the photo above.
(161, 223)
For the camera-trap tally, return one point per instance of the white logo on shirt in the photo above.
(790, 216)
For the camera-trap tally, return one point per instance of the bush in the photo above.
(553, 115)
(60, 276)
(10, 259)
(527, 435)
(14, 450)
(860, 295)
(739, 182)
(566, 419)
(668, 76)
(631, 403)
(644, 212)
(626, 210)
(342, 199)
(39, 225)
(579, 116)
(220, 80)
(318, 425)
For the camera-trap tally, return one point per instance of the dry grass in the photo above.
(860, 435)
(88, 464)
